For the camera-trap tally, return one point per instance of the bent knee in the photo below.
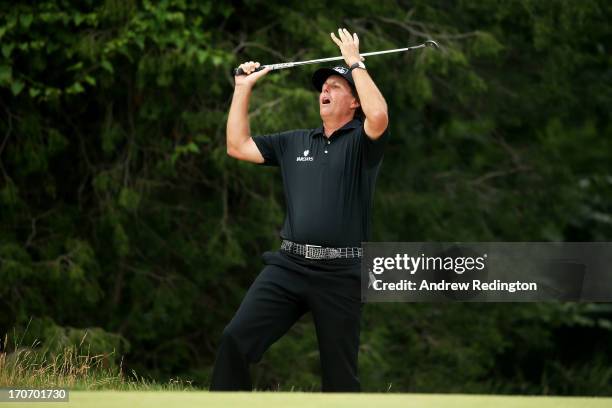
(247, 345)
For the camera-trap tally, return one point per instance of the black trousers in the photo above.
(286, 288)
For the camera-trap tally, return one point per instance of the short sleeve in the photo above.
(272, 147)
(373, 150)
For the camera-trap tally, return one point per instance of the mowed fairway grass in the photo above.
(188, 399)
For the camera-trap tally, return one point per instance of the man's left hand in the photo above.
(349, 46)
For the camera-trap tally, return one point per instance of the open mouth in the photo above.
(325, 100)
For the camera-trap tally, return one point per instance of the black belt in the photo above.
(318, 252)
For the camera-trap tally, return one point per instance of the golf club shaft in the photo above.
(284, 65)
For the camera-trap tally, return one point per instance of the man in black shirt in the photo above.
(328, 175)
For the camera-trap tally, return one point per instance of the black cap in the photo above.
(321, 75)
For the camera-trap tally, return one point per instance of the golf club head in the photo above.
(431, 44)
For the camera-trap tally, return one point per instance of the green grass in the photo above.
(94, 381)
(201, 399)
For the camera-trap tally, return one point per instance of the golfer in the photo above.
(328, 176)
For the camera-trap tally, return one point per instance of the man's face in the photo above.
(336, 99)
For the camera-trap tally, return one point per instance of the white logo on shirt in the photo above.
(305, 157)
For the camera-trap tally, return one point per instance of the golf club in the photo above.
(283, 65)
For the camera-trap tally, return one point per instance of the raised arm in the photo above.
(240, 144)
(372, 101)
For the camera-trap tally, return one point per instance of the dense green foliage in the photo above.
(121, 211)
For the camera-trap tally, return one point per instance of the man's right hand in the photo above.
(240, 144)
(251, 77)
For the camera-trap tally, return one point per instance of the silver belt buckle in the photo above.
(308, 254)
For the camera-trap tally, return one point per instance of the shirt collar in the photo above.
(352, 124)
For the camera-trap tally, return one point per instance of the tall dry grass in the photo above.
(36, 367)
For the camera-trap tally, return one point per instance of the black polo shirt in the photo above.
(328, 182)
